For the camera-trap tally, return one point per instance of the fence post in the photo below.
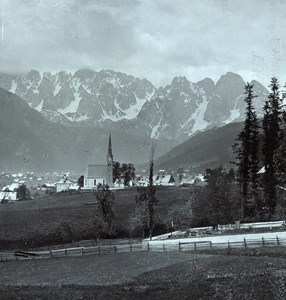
(1, 257)
(179, 246)
(244, 240)
(115, 250)
(228, 247)
(99, 250)
(130, 247)
(262, 242)
(210, 244)
(148, 247)
(51, 253)
(195, 246)
(81, 251)
(277, 239)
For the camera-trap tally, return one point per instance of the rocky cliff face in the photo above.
(83, 96)
(109, 100)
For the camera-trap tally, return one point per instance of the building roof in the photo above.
(163, 179)
(12, 187)
(48, 185)
(66, 181)
(167, 178)
(262, 170)
(96, 171)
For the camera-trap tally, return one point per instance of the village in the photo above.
(62, 182)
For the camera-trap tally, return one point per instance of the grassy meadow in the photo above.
(52, 218)
(146, 275)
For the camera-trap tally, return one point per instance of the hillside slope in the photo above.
(29, 142)
(207, 149)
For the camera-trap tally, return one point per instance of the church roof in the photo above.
(96, 171)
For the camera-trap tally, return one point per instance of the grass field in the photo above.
(44, 216)
(146, 275)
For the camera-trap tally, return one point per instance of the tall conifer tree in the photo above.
(272, 135)
(246, 150)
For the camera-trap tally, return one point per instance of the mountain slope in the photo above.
(204, 150)
(29, 142)
(113, 100)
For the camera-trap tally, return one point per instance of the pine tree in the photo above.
(246, 150)
(105, 201)
(23, 193)
(272, 135)
(146, 201)
(152, 200)
(254, 161)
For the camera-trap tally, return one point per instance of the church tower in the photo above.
(109, 161)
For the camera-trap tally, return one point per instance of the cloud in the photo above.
(155, 39)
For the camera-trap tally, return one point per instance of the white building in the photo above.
(100, 174)
(64, 184)
(143, 181)
(9, 192)
(94, 175)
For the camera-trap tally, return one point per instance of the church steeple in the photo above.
(109, 151)
(109, 161)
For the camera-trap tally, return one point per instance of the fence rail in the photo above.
(145, 246)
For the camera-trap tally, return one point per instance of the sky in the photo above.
(153, 39)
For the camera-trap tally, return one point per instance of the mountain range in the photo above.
(112, 100)
(29, 142)
(64, 121)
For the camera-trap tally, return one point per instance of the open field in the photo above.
(46, 215)
(169, 275)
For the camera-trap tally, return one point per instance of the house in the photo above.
(143, 181)
(100, 174)
(164, 180)
(64, 184)
(188, 181)
(9, 192)
(49, 187)
(118, 183)
(200, 180)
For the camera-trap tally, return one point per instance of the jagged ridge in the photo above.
(109, 100)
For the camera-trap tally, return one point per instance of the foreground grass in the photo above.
(148, 275)
(38, 221)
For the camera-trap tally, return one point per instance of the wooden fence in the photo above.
(145, 246)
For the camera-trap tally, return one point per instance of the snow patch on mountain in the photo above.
(73, 106)
(39, 107)
(133, 111)
(155, 129)
(234, 113)
(13, 88)
(200, 122)
(57, 89)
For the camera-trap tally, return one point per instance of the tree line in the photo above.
(260, 154)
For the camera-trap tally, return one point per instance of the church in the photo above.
(100, 174)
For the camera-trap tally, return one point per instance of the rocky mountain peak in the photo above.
(110, 99)
(207, 84)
